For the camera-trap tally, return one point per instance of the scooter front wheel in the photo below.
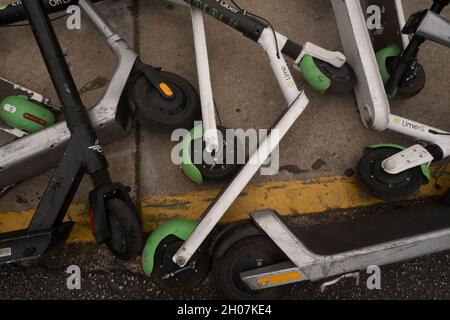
(221, 165)
(382, 185)
(126, 241)
(153, 110)
(244, 255)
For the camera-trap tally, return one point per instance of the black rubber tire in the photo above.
(382, 185)
(240, 257)
(127, 239)
(412, 88)
(220, 172)
(343, 80)
(153, 114)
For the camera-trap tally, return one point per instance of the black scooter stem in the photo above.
(56, 64)
(250, 27)
(411, 52)
(75, 113)
(15, 12)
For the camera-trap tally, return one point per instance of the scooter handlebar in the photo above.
(14, 12)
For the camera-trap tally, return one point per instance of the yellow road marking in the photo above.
(286, 197)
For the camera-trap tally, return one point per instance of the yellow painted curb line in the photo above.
(286, 197)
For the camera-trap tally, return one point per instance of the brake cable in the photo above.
(245, 12)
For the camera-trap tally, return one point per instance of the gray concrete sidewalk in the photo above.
(330, 132)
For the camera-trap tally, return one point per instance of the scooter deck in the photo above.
(362, 232)
(323, 251)
(392, 22)
(23, 244)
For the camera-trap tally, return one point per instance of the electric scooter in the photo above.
(386, 65)
(175, 254)
(116, 221)
(136, 91)
(207, 136)
(259, 259)
(322, 69)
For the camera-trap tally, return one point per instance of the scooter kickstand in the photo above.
(6, 189)
(327, 284)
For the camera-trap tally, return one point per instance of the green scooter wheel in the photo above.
(159, 250)
(198, 172)
(323, 76)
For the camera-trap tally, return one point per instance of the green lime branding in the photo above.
(197, 4)
(287, 76)
(397, 121)
(412, 125)
(214, 13)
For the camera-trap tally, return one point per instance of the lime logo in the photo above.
(198, 4)
(9, 108)
(397, 121)
(214, 13)
(291, 84)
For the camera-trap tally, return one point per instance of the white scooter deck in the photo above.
(322, 251)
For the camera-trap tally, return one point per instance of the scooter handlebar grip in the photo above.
(292, 49)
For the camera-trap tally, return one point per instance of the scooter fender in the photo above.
(189, 168)
(232, 234)
(97, 200)
(179, 228)
(425, 168)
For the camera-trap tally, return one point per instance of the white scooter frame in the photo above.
(370, 91)
(306, 265)
(160, 244)
(296, 101)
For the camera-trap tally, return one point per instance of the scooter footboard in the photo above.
(322, 251)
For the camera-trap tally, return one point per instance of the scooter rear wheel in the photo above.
(382, 185)
(244, 255)
(126, 241)
(167, 114)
